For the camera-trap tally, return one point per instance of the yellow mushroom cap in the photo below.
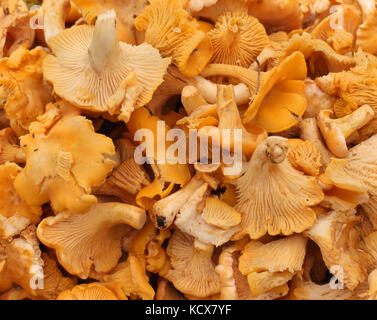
(170, 29)
(304, 156)
(131, 277)
(237, 39)
(193, 271)
(89, 63)
(281, 98)
(220, 214)
(59, 170)
(92, 291)
(90, 239)
(286, 254)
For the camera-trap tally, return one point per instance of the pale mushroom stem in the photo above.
(277, 152)
(356, 120)
(105, 44)
(208, 90)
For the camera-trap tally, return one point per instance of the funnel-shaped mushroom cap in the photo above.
(237, 39)
(276, 256)
(89, 64)
(92, 239)
(193, 271)
(273, 197)
(91, 291)
(170, 29)
(59, 170)
(281, 98)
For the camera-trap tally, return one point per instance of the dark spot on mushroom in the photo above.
(36, 149)
(33, 135)
(219, 191)
(161, 221)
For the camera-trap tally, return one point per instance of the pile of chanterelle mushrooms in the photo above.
(80, 218)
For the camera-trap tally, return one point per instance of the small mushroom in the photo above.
(219, 214)
(125, 181)
(131, 277)
(191, 221)
(343, 36)
(309, 131)
(237, 39)
(91, 291)
(166, 209)
(336, 131)
(169, 28)
(192, 271)
(93, 239)
(339, 242)
(229, 119)
(272, 265)
(304, 156)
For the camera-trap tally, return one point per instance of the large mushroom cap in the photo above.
(89, 65)
(273, 197)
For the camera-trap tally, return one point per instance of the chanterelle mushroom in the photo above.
(340, 246)
(58, 170)
(273, 197)
(92, 239)
(193, 271)
(272, 265)
(92, 291)
(237, 39)
(170, 29)
(89, 66)
(281, 98)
